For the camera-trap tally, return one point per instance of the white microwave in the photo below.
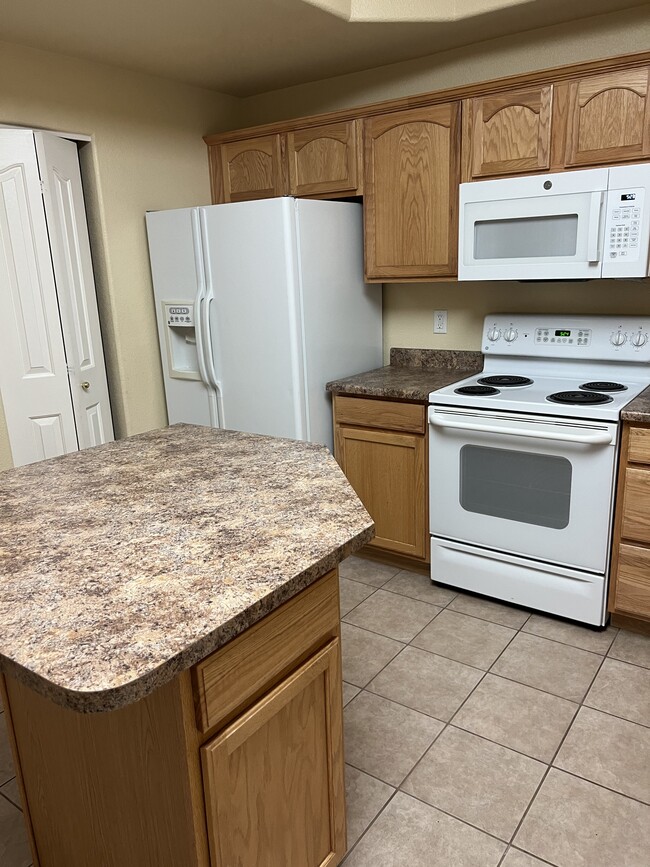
(568, 226)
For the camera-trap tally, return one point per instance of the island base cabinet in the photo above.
(274, 779)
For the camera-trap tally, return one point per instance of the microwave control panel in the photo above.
(623, 227)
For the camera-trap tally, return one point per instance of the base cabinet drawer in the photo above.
(274, 779)
(633, 581)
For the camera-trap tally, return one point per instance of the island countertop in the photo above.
(122, 565)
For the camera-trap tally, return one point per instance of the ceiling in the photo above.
(245, 47)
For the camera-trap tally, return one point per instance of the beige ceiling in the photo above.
(244, 47)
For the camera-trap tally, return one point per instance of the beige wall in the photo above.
(408, 308)
(146, 154)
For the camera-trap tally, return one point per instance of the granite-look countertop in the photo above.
(122, 565)
(638, 409)
(412, 374)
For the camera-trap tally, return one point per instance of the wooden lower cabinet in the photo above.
(629, 593)
(175, 780)
(387, 468)
(273, 786)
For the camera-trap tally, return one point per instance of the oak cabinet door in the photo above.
(632, 588)
(411, 192)
(324, 160)
(250, 169)
(508, 133)
(608, 118)
(387, 470)
(273, 779)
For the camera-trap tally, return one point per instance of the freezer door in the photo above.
(174, 251)
(253, 308)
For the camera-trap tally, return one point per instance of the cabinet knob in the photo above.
(85, 385)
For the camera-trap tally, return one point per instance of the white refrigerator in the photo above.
(259, 304)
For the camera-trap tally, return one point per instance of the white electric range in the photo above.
(523, 458)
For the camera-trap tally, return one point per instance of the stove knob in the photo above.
(639, 339)
(510, 335)
(618, 338)
(494, 334)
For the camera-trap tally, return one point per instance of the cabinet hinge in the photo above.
(42, 188)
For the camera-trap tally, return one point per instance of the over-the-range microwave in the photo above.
(573, 225)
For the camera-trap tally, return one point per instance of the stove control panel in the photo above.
(588, 338)
(572, 336)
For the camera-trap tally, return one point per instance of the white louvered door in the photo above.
(33, 375)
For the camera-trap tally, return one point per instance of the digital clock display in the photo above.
(563, 334)
(628, 197)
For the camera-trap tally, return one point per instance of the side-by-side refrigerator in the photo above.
(259, 304)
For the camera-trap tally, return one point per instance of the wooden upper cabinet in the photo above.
(411, 192)
(325, 160)
(608, 118)
(249, 169)
(507, 133)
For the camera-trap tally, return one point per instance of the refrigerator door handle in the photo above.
(205, 321)
(199, 307)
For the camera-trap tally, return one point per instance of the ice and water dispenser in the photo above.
(182, 355)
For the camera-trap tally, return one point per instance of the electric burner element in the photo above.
(477, 389)
(589, 398)
(505, 381)
(603, 386)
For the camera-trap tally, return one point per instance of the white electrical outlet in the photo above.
(439, 321)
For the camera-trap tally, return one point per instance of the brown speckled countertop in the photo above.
(412, 374)
(122, 565)
(638, 409)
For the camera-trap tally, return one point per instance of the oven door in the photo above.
(518, 229)
(526, 485)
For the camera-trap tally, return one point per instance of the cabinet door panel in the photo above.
(633, 581)
(411, 191)
(387, 470)
(325, 160)
(252, 169)
(636, 505)
(510, 132)
(274, 778)
(609, 118)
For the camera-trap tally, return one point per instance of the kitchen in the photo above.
(136, 143)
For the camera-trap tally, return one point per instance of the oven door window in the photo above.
(520, 486)
(526, 237)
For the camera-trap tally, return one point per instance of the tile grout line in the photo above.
(554, 756)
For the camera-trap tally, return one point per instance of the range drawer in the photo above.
(636, 505)
(639, 445)
(250, 664)
(386, 414)
(633, 581)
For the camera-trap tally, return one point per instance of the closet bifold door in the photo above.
(33, 374)
(75, 284)
(273, 779)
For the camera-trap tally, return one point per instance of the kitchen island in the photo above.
(170, 646)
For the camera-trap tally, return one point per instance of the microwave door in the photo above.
(556, 236)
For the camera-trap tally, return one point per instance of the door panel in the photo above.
(325, 160)
(251, 169)
(75, 282)
(33, 374)
(273, 779)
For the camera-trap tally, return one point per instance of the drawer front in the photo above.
(633, 581)
(639, 445)
(636, 505)
(248, 665)
(386, 414)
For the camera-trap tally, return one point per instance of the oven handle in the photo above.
(601, 437)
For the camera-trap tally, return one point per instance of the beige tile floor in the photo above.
(477, 734)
